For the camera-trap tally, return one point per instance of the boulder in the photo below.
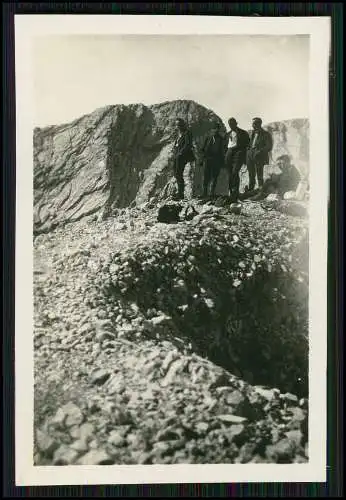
(116, 156)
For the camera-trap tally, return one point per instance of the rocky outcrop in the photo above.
(291, 137)
(113, 157)
(121, 155)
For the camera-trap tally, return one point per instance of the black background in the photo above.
(334, 485)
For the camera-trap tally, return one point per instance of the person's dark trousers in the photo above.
(234, 162)
(179, 165)
(255, 169)
(210, 175)
(248, 194)
(268, 187)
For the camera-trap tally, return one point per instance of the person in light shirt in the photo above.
(238, 143)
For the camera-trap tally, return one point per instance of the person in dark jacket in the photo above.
(287, 180)
(213, 151)
(182, 154)
(237, 142)
(261, 143)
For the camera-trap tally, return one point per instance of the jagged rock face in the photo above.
(291, 137)
(121, 155)
(111, 158)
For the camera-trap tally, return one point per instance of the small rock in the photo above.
(297, 418)
(172, 373)
(116, 386)
(235, 398)
(267, 394)
(222, 381)
(87, 431)
(145, 458)
(246, 453)
(94, 444)
(231, 419)
(168, 435)
(161, 446)
(59, 418)
(64, 455)
(99, 377)
(93, 407)
(281, 452)
(115, 439)
(159, 320)
(235, 432)
(101, 336)
(296, 436)
(257, 459)
(303, 403)
(96, 457)
(80, 446)
(75, 431)
(171, 356)
(224, 389)
(202, 427)
(45, 443)
(289, 398)
(73, 414)
(275, 435)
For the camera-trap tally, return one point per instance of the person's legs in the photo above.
(251, 171)
(179, 175)
(236, 177)
(206, 176)
(248, 194)
(234, 182)
(230, 180)
(259, 172)
(215, 175)
(267, 188)
(229, 167)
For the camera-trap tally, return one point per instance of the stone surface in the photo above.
(45, 443)
(116, 439)
(231, 419)
(73, 414)
(65, 455)
(96, 457)
(81, 167)
(99, 377)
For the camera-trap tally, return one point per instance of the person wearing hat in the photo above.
(182, 154)
(237, 144)
(213, 151)
(261, 143)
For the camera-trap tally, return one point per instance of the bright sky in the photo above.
(240, 76)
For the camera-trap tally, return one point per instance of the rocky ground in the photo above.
(172, 343)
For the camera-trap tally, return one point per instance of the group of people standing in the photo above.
(231, 150)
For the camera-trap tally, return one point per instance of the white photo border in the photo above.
(29, 26)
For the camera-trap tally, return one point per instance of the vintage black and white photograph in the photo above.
(171, 249)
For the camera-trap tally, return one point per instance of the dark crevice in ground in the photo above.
(258, 331)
